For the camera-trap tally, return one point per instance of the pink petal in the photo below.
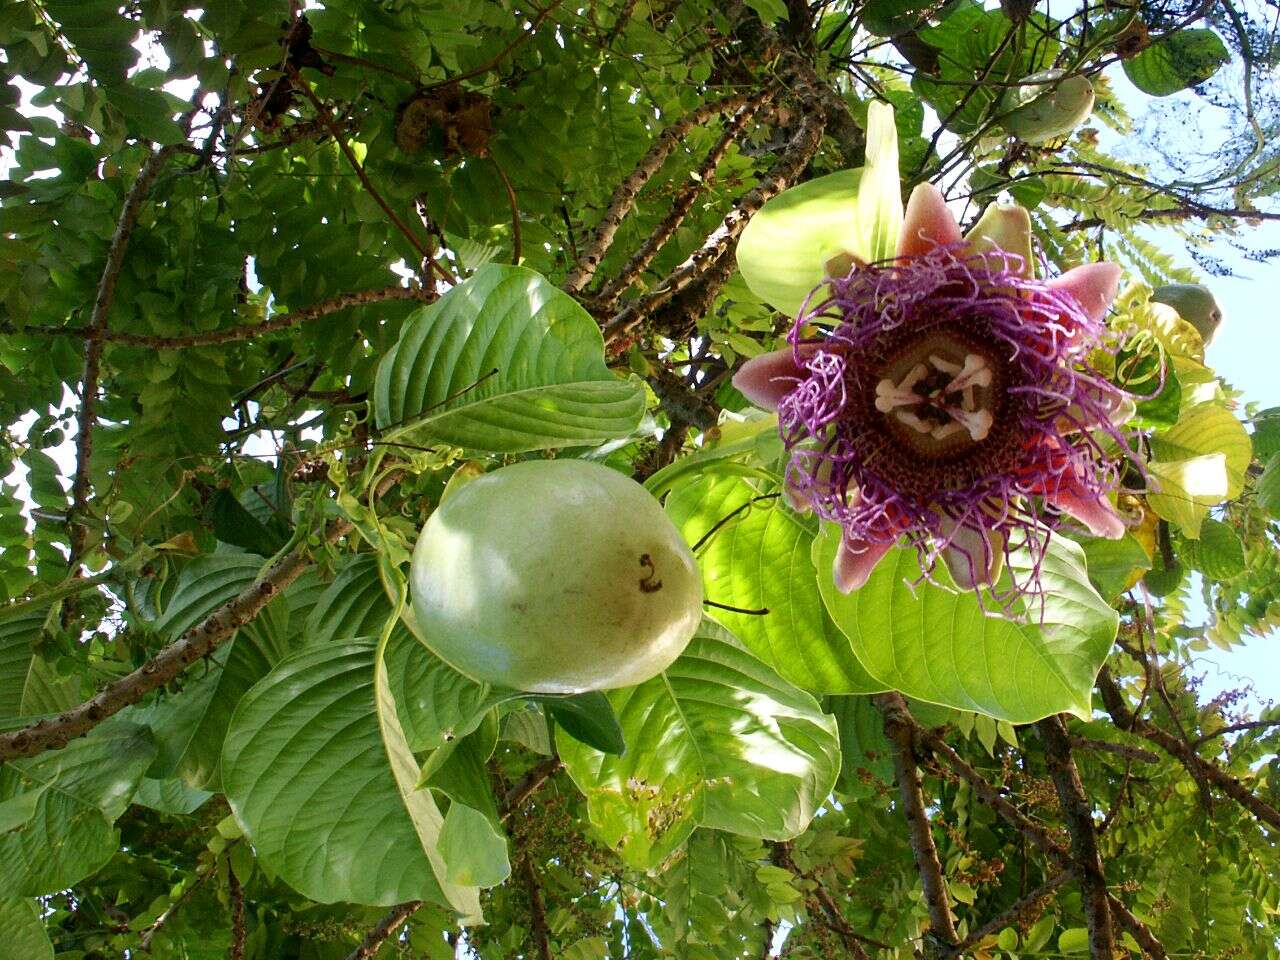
(766, 379)
(855, 559)
(927, 222)
(1094, 285)
(1095, 512)
(974, 557)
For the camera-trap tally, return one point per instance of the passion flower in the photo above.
(944, 398)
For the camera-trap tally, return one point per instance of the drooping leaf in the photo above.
(504, 362)
(235, 525)
(939, 645)
(1180, 60)
(1197, 463)
(28, 685)
(1115, 565)
(83, 788)
(1269, 486)
(759, 559)
(24, 933)
(784, 249)
(1219, 553)
(588, 718)
(718, 740)
(307, 775)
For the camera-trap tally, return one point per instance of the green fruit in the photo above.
(555, 576)
(1041, 109)
(1194, 303)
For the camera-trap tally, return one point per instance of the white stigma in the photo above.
(964, 416)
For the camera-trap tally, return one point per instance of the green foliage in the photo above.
(323, 315)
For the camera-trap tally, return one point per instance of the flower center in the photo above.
(938, 395)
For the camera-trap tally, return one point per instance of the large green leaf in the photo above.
(66, 834)
(457, 886)
(191, 725)
(28, 685)
(760, 559)
(718, 740)
(306, 772)
(784, 249)
(24, 933)
(1180, 60)
(939, 645)
(504, 362)
(1197, 463)
(437, 703)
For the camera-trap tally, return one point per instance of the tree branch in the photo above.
(213, 337)
(680, 206)
(1038, 835)
(624, 196)
(199, 641)
(236, 892)
(1201, 770)
(1024, 910)
(537, 909)
(387, 926)
(899, 727)
(794, 158)
(1077, 812)
(528, 785)
(98, 317)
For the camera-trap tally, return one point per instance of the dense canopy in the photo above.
(279, 276)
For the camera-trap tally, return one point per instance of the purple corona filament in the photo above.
(946, 399)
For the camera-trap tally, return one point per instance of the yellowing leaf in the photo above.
(1188, 488)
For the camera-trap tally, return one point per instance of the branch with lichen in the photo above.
(794, 158)
(1204, 772)
(102, 302)
(197, 642)
(683, 202)
(387, 926)
(207, 338)
(624, 196)
(1078, 813)
(899, 727)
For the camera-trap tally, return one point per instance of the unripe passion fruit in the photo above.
(555, 576)
(1047, 105)
(1195, 304)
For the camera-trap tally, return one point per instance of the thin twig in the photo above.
(387, 926)
(680, 205)
(624, 196)
(213, 337)
(1235, 728)
(502, 54)
(515, 209)
(1202, 771)
(335, 131)
(835, 919)
(529, 784)
(899, 728)
(1119, 749)
(98, 317)
(1023, 910)
(537, 908)
(1078, 813)
(149, 934)
(197, 642)
(236, 892)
